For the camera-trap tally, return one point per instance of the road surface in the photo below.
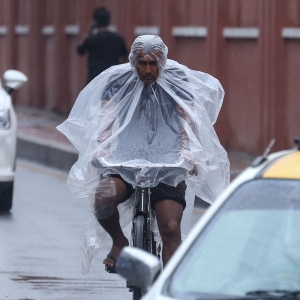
(41, 242)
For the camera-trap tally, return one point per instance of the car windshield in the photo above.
(252, 244)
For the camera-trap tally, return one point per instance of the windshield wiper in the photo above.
(275, 294)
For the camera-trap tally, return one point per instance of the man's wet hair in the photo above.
(101, 16)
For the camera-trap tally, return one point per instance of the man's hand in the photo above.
(98, 154)
(193, 170)
(96, 163)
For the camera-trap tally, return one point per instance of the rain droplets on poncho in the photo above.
(118, 117)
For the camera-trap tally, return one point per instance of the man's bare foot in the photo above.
(115, 251)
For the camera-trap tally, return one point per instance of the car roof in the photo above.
(286, 166)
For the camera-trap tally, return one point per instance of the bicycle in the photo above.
(144, 175)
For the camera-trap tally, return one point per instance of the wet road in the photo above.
(41, 243)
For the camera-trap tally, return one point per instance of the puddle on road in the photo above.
(66, 284)
(34, 278)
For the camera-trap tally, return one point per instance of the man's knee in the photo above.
(170, 229)
(104, 203)
(169, 214)
(105, 200)
(103, 207)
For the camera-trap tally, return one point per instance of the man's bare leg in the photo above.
(113, 228)
(169, 215)
(111, 224)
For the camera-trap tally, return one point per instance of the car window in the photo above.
(251, 244)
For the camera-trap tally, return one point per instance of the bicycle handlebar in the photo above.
(144, 174)
(105, 163)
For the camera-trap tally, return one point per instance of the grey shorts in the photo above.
(161, 192)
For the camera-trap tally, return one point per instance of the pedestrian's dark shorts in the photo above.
(161, 192)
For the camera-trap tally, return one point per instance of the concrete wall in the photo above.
(252, 47)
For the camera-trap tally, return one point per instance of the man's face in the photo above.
(147, 67)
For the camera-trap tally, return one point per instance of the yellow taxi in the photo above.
(247, 244)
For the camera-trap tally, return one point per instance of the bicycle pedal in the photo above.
(158, 250)
(129, 286)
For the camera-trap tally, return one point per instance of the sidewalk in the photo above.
(40, 141)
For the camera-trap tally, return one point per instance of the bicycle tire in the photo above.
(139, 242)
(137, 293)
(139, 227)
(154, 245)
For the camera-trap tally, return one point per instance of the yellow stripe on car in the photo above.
(286, 167)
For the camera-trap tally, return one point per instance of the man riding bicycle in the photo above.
(150, 110)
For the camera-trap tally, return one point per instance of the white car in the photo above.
(247, 244)
(8, 136)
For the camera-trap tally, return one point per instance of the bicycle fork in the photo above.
(141, 207)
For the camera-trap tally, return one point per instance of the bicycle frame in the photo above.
(142, 207)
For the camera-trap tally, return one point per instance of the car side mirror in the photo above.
(13, 80)
(138, 267)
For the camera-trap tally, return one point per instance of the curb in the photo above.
(46, 152)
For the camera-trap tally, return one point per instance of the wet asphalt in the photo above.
(41, 242)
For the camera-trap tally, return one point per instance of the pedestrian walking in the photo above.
(104, 48)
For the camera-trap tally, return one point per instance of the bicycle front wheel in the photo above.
(139, 233)
(139, 241)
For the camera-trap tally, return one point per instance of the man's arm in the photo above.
(106, 132)
(184, 141)
(185, 151)
(82, 48)
(84, 45)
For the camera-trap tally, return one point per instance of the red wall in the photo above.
(260, 75)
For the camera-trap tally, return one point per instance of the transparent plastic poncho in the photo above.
(119, 120)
